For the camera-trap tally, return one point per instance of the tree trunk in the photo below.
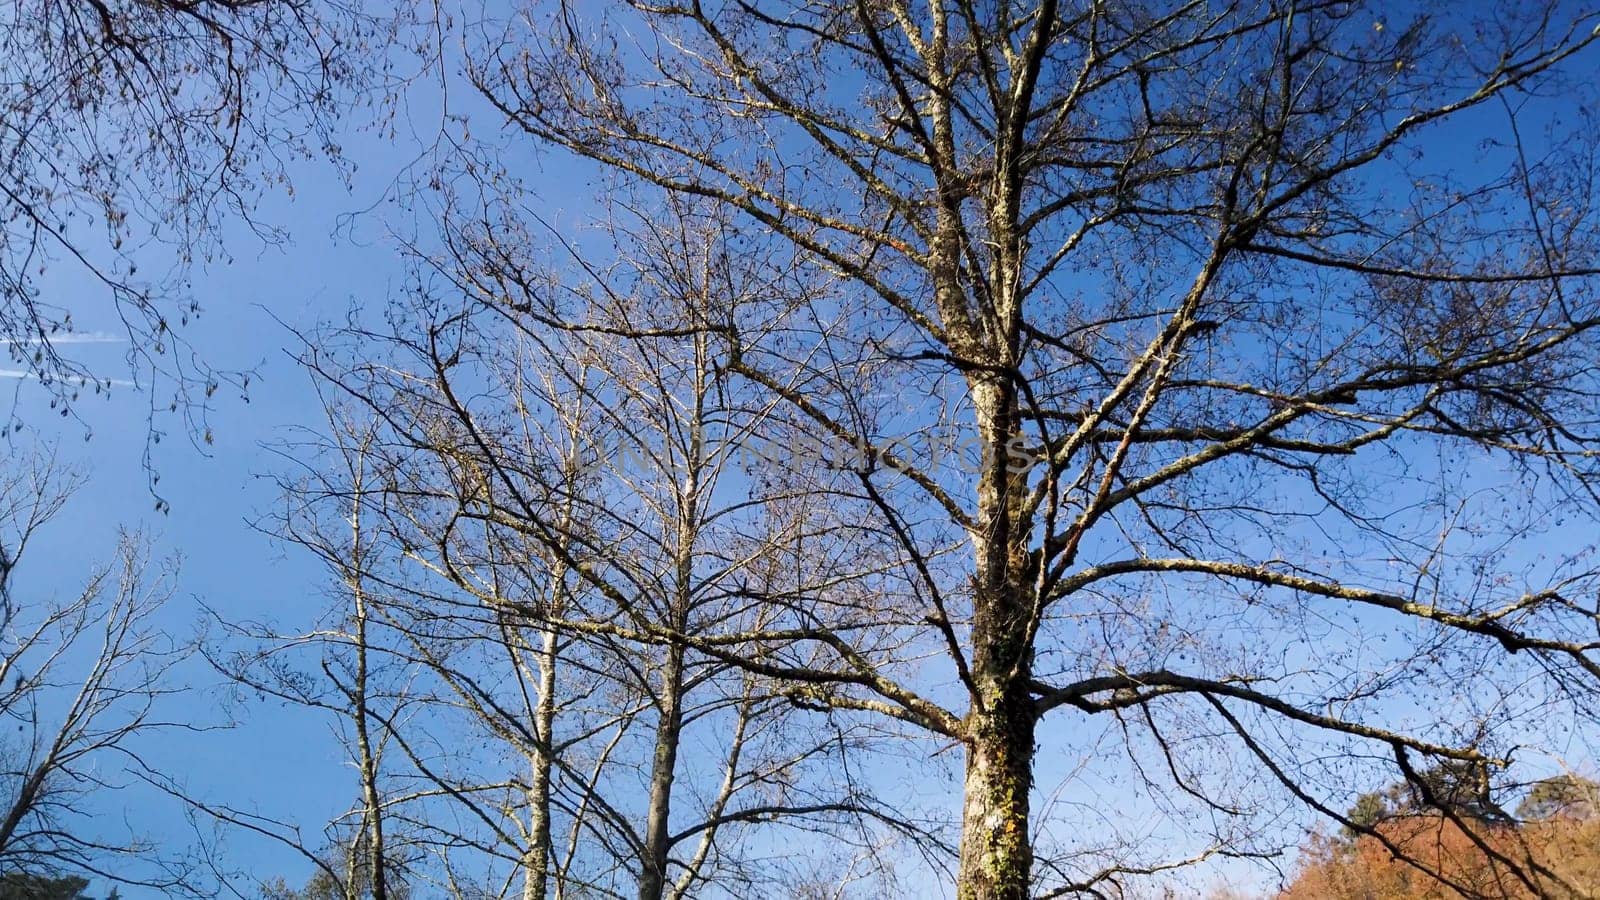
(653, 868)
(377, 861)
(663, 766)
(996, 852)
(536, 857)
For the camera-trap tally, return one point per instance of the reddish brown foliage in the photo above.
(1558, 858)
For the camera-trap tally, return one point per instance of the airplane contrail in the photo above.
(71, 337)
(25, 374)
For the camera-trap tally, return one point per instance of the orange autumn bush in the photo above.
(1566, 847)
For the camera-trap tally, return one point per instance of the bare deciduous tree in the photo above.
(86, 680)
(1269, 380)
(571, 507)
(334, 669)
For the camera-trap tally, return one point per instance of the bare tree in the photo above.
(1266, 388)
(575, 504)
(86, 680)
(335, 669)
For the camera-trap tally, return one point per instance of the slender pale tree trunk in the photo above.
(536, 858)
(663, 766)
(377, 861)
(653, 879)
(369, 760)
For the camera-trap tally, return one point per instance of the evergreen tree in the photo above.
(29, 886)
(1571, 796)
